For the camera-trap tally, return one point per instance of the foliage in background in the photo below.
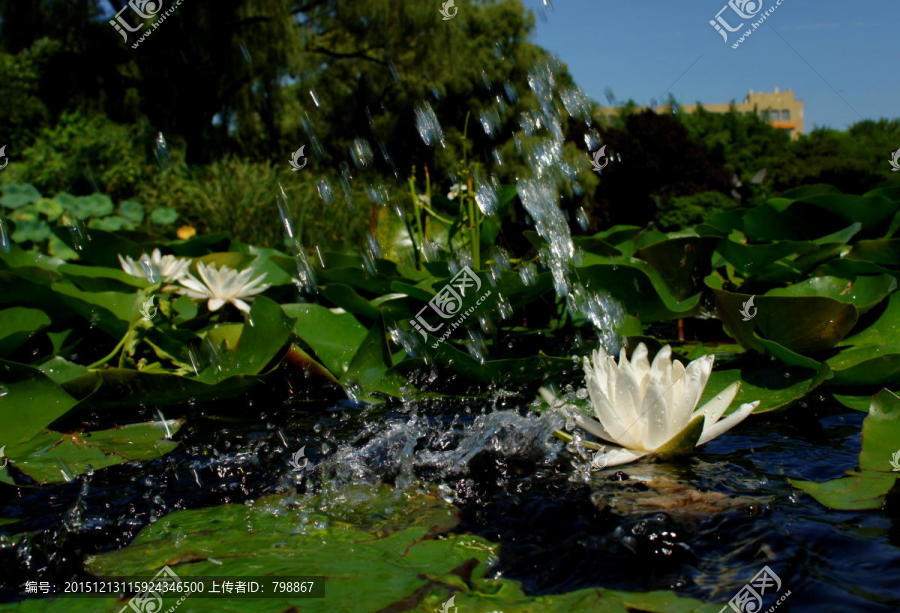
(37, 221)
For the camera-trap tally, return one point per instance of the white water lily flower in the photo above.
(642, 406)
(221, 285)
(165, 267)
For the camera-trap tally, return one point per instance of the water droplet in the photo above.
(428, 126)
(361, 152)
(161, 151)
(326, 193)
(5, 244)
(78, 232)
(246, 53)
(281, 201)
(150, 271)
(581, 217)
(486, 194)
(490, 121)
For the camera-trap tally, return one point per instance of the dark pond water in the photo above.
(703, 527)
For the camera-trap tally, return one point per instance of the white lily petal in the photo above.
(721, 427)
(594, 427)
(615, 457)
(687, 390)
(215, 304)
(716, 406)
(240, 304)
(658, 429)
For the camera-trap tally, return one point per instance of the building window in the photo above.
(785, 115)
(773, 115)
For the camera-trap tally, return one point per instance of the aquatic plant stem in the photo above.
(112, 353)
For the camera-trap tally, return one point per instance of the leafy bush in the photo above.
(82, 155)
(238, 196)
(683, 211)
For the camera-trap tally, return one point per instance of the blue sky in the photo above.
(841, 49)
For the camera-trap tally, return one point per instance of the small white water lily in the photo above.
(167, 268)
(642, 406)
(221, 285)
(455, 190)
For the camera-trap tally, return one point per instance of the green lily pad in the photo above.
(681, 263)
(802, 324)
(334, 337)
(884, 251)
(111, 223)
(880, 432)
(164, 216)
(884, 330)
(638, 287)
(123, 388)
(862, 292)
(856, 492)
(55, 457)
(394, 548)
(867, 365)
(132, 211)
(367, 372)
(264, 335)
(30, 403)
(17, 325)
(17, 195)
(867, 488)
(775, 387)
(31, 230)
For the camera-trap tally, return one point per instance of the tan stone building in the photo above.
(779, 108)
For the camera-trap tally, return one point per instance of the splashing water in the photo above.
(428, 125)
(540, 195)
(306, 278)
(426, 447)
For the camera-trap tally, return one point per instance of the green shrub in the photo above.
(684, 211)
(239, 197)
(83, 155)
